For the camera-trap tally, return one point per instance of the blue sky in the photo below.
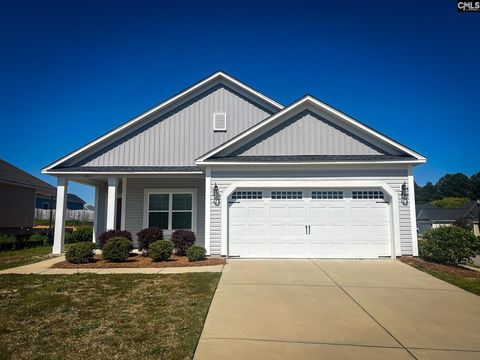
(72, 70)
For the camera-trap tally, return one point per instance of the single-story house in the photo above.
(18, 191)
(251, 177)
(431, 216)
(47, 202)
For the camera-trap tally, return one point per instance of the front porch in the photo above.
(133, 202)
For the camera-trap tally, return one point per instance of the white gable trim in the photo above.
(302, 102)
(217, 75)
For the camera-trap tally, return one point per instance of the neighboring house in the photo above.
(250, 177)
(430, 216)
(18, 190)
(47, 202)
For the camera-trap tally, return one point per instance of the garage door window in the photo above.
(367, 195)
(281, 195)
(255, 195)
(327, 195)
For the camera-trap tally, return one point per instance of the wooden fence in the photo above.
(80, 215)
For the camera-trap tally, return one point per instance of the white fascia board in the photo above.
(211, 163)
(188, 91)
(303, 101)
(123, 173)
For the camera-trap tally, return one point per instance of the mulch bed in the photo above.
(453, 270)
(139, 261)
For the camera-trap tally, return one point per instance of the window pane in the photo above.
(181, 220)
(158, 202)
(182, 202)
(158, 219)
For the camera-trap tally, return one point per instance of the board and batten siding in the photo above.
(135, 196)
(394, 178)
(308, 134)
(185, 133)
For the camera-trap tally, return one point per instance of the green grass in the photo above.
(14, 258)
(90, 316)
(469, 284)
(67, 223)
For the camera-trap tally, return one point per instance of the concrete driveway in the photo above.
(321, 309)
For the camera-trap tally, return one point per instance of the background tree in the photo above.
(450, 202)
(475, 186)
(454, 185)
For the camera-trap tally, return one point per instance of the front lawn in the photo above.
(463, 278)
(89, 316)
(14, 258)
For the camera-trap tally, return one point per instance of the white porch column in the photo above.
(112, 202)
(208, 186)
(95, 217)
(59, 234)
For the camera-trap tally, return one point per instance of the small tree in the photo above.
(451, 245)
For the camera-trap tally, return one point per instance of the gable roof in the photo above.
(283, 115)
(433, 213)
(205, 83)
(75, 198)
(10, 174)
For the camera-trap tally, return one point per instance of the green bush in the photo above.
(80, 253)
(117, 249)
(160, 250)
(37, 240)
(451, 245)
(196, 253)
(7, 242)
(107, 235)
(82, 234)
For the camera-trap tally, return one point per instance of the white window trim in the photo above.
(214, 123)
(170, 192)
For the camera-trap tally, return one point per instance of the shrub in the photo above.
(148, 236)
(161, 250)
(196, 253)
(37, 240)
(107, 235)
(182, 239)
(117, 249)
(451, 245)
(80, 253)
(7, 242)
(82, 234)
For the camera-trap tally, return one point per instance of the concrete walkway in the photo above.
(45, 268)
(309, 309)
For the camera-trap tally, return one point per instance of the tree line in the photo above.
(450, 185)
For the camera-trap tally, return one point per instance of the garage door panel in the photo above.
(256, 230)
(296, 212)
(338, 228)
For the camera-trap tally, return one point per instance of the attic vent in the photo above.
(219, 122)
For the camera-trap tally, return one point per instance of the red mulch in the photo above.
(453, 270)
(138, 261)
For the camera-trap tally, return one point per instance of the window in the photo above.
(219, 122)
(45, 206)
(277, 195)
(324, 195)
(247, 195)
(170, 211)
(363, 195)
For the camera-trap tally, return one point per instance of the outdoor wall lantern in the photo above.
(404, 194)
(216, 195)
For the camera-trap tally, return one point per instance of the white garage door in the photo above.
(309, 224)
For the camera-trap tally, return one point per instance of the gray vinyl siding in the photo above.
(183, 134)
(394, 178)
(134, 209)
(308, 134)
